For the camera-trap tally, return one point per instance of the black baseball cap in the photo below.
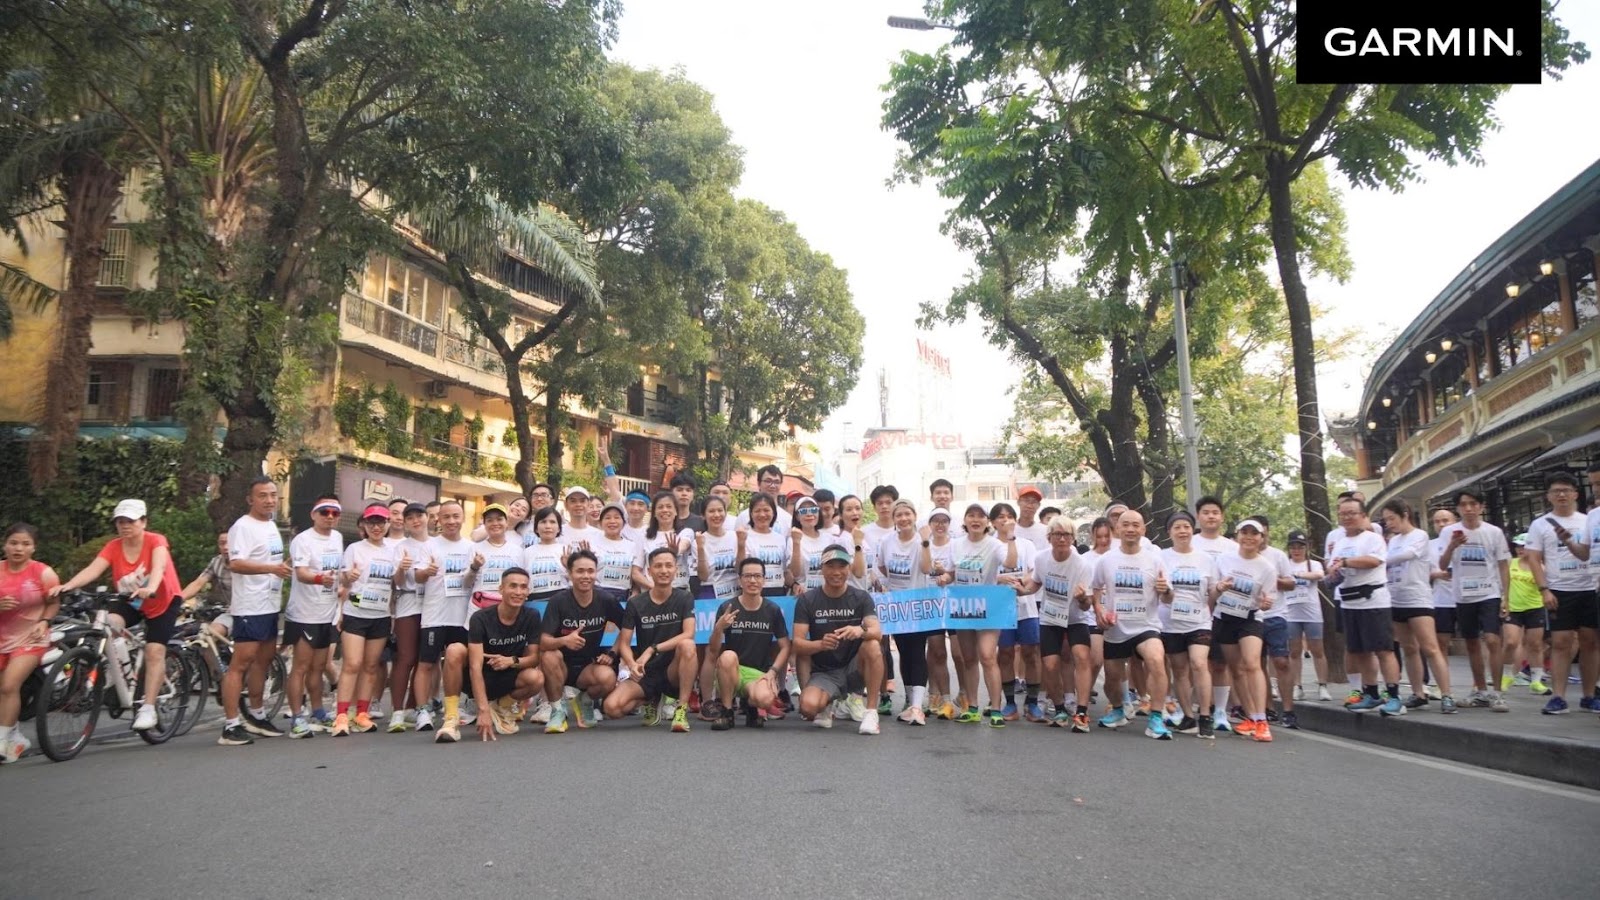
(1297, 537)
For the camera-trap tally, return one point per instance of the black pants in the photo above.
(913, 649)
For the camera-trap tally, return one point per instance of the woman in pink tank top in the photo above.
(26, 608)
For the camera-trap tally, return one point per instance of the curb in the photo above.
(1549, 759)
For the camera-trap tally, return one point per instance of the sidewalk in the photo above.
(1522, 741)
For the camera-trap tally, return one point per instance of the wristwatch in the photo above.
(924, 544)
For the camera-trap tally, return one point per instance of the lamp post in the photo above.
(917, 23)
(1190, 439)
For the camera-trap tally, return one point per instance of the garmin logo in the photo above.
(1344, 42)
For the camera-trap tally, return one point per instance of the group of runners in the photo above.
(438, 615)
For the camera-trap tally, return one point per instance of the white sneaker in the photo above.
(1274, 684)
(869, 722)
(1322, 693)
(824, 719)
(668, 707)
(541, 713)
(1299, 693)
(375, 711)
(424, 719)
(12, 748)
(855, 707)
(146, 719)
(1431, 691)
(837, 710)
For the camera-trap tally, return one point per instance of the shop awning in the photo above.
(1490, 473)
(1565, 447)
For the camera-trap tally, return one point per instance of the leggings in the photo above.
(913, 650)
(407, 635)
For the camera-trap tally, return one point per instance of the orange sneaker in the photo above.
(362, 723)
(1262, 733)
(1247, 728)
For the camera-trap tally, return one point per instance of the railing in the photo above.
(629, 485)
(463, 352)
(391, 324)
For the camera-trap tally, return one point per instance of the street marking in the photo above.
(1573, 793)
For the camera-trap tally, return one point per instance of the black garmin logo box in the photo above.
(1412, 42)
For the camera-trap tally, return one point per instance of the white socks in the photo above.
(918, 696)
(1219, 697)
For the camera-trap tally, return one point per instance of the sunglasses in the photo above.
(327, 512)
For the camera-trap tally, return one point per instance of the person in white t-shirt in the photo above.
(852, 519)
(1244, 589)
(1019, 647)
(406, 629)
(1029, 528)
(900, 569)
(1444, 592)
(1187, 635)
(318, 557)
(621, 558)
(371, 568)
(637, 506)
(979, 557)
(1478, 558)
(1060, 578)
(577, 532)
(1303, 613)
(446, 606)
(1210, 519)
(1129, 582)
(769, 480)
(937, 567)
(807, 539)
(1359, 556)
(256, 559)
(1409, 566)
(1560, 547)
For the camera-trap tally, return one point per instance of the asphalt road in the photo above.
(946, 810)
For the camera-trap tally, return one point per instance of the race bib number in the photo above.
(1189, 612)
(1054, 613)
(1235, 604)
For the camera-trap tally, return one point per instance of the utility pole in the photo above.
(1190, 437)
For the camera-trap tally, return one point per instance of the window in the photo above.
(161, 394)
(1584, 299)
(373, 278)
(114, 269)
(716, 397)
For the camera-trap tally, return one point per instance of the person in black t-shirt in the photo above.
(663, 665)
(578, 672)
(750, 643)
(836, 627)
(503, 656)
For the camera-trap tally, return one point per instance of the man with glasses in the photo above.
(318, 555)
(1360, 556)
(1560, 545)
(541, 496)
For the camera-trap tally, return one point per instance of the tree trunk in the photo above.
(90, 188)
(554, 446)
(1159, 460)
(1313, 473)
(1123, 467)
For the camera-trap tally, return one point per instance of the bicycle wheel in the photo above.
(68, 705)
(275, 691)
(199, 688)
(172, 700)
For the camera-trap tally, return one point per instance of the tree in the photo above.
(1218, 84)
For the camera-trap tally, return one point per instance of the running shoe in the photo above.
(1353, 697)
(1291, 721)
(694, 701)
(260, 727)
(1033, 712)
(652, 715)
(579, 711)
(375, 710)
(1262, 733)
(1207, 730)
(680, 721)
(969, 716)
(905, 714)
(1497, 703)
(775, 711)
(467, 716)
(946, 711)
(885, 704)
(1236, 712)
(1018, 686)
(362, 723)
(450, 731)
(300, 727)
(1520, 679)
(996, 718)
(723, 722)
(232, 736)
(1507, 682)
(1538, 688)
(1080, 723)
(669, 707)
(424, 719)
(542, 711)
(323, 722)
(558, 720)
(1364, 703)
(397, 723)
(1061, 719)
(1556, 707)
(1323, 695)
(1272, 715)
(1156, 727)
(1220, 723)
(1144, 707)
(506, 716)
(712, 710)
(1299, 694)
(341, 726)
(1174, 713)
(1392, 707)
(1478, 699)
(869, 723)
(1431, 691)
(755, 718)
(1416, 702)
(1116, 718)
(1009, 712)
(824, 719)
(1246, 727)
(1589, 704)
(1447, 705)
(918, 717)
(1188, 725)
(146, 718)
(855, 707)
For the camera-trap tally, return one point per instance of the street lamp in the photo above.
(1190, 437)
(916, 23)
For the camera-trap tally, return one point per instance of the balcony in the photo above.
(423, 347)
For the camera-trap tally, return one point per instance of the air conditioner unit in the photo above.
(437, 390)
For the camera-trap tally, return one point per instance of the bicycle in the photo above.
(209, 654)
(73, 691)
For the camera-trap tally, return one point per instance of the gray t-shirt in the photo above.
(221, 581)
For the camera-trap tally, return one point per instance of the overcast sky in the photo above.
(800, 87)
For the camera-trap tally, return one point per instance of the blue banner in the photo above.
(958, 608)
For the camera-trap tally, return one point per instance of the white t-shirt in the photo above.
(574, 538)
(547, 569)
(781, 524)
(811, 551)
(256, 541)
(1562, 570)
(722, 563)
(618, 558)
(772, 549)
(1475, 565)
(1216, 547)
(444, 596)
(977, 562)
(1037, 534)
(635, 534)
(900, 562)
(1280, 561)
(1301, 603)
(408, 594)
(315, 604)
(1027, 606)
(1444, 590)
(685, 553)
(1060, 579)
(369, 597)
(1127, 586)
(1191, 576)
(1363, 543)
(943, 558)
(508, 554)
(1408, 569)
(1253, 580)
(869, 552)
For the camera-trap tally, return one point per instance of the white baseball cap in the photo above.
(939, 511)
(574, 491)
(129, 509)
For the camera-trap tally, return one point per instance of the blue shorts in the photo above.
(1026, 633)
(1311, 631)
(1275, 634)
(262, 627)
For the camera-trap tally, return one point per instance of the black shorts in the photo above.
(1179, 644)
(1051, 639)
(157, 629)
(1227, 630)
(1530, 618)
(1444, 620)
(1126, 649)
(1407, 613)
(1481, 617)
(1367, 630)
(576, 665)
(1082, 635)
(499, 683)
(371, 629)
(319, 636)
(436, 638)
(1574, 610)
(655, 682)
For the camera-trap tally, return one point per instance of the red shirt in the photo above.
(28, 587)
(122, 568)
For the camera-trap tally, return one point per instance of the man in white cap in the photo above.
(577, 532)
